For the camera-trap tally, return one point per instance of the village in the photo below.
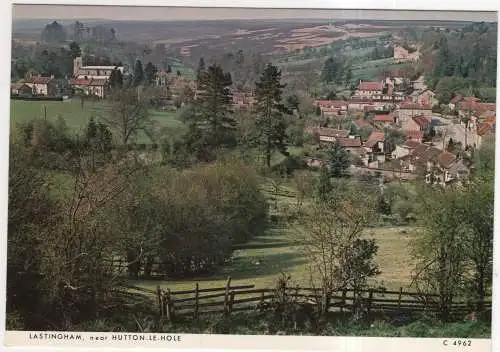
(434, 140)
(313, 177)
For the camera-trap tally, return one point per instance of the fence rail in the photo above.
(229, 299)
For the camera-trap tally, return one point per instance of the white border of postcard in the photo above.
(231, 342)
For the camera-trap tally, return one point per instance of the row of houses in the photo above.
(437, 166)
(411, 157)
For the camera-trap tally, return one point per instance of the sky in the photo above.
(62, 12)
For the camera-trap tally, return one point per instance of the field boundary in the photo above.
(227, 299)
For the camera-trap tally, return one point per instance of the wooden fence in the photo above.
(230, 299)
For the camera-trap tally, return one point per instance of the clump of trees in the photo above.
(209, 209)
(463, 61)
(455, 251)
(337, 69)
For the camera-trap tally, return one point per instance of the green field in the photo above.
(77, 116)
(260, 261)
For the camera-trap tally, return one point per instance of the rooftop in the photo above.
(371, 86)
(383, 118)
(332, 132)
(349, 142)
(375, 137)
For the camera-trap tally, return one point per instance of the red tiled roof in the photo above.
(412, 144)
(371, 86)
(349, 142)
(425, 153)
(331, 103)
(80, 82)
(412, 106)
(332, 132)
(355, 100)
(484, 128)
(487, 106)
(445, 159)
(39, 80)
(422, 121)
(383, 118)
(413, 134)
(471, 99)
(456, 99)
(375, 137)
(362, 123)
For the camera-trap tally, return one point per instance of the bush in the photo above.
(189, 220)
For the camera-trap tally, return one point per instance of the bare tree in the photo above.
(339, 253)
(127, 114)
(304, 185)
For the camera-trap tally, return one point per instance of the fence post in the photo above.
(169, 305)
(261, 303)
(370, 298)
(159, 299)
(399, 297)
(231, 301)
(344, 294)
(226, 296)
(197, 298)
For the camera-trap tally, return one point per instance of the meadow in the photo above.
(261, 260)
(76, 116)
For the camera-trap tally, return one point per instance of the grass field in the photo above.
(260, 261)
(77, 116)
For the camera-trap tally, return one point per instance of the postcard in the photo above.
(251, 178)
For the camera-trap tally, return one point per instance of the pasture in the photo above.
(77, 116)
(262, 260)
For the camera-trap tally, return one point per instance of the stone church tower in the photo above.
(77, 64)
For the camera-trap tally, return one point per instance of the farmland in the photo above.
(77, 117)
(261, 261)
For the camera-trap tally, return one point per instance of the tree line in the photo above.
(461, 61)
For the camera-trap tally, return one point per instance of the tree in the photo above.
(336, 70)
(54, 33)
(116, 79)
(292, 102)
(149, 73)
(338, 160)
(270, 123)
(31, 214)
(324, 185)
(303, 183)
(201, 68)
(439, 251)
(477, 213)
(138, 77)
(127, 114)
(75, 50)
(340, 256)
(212, 124)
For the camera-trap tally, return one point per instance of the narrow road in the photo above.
(453, 130)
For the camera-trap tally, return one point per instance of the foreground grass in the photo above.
(261, 323)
